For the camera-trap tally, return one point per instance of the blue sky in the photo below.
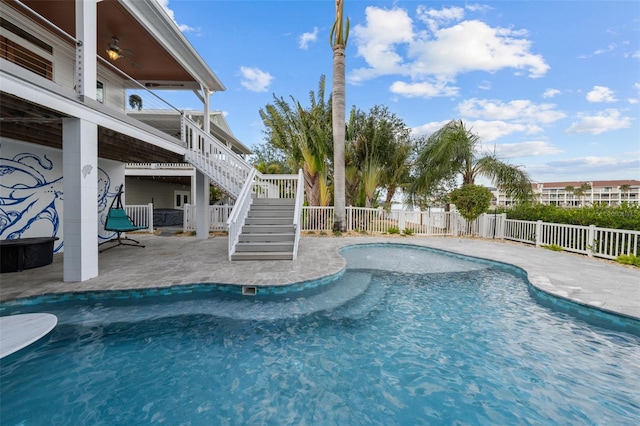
(553, 86)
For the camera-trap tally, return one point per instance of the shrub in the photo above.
(553, 247)
(624, 216)
(393, 230)
(628, 259)
(408, 231)
(471, 200)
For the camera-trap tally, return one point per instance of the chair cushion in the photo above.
(118, 221)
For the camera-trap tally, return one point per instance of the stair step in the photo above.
(267, 229)
(273, 202)
(280, 246)
(270, 213)
(268, 221)
(274, 255)
(266, 237)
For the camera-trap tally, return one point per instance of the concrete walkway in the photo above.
(171, 260)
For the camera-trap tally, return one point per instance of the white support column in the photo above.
(86, 62)
(80, 185)
(202, 206)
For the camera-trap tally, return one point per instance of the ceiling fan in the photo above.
(115, 52)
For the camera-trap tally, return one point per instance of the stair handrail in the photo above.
(239, 212)
(232, 178)
(297, 213)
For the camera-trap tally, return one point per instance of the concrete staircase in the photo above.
(268, 232)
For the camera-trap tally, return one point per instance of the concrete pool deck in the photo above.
(173, 260)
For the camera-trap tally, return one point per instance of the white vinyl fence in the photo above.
(218, 216)
(589, 240)
(141, 215)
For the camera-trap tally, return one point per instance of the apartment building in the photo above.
(579, 193)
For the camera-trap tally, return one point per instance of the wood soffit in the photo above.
(23, 121)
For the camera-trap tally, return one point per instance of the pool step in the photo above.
(330, 297)
(361, 306)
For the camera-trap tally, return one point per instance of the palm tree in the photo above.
(303, 135)
(569, 189)
(451, 151)
(338, 39)
(624, 189)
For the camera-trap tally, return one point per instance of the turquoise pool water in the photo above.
(405, 336)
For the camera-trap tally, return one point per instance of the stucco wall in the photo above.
(32, 196)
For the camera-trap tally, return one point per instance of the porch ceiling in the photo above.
(25, 121)
(146, 60)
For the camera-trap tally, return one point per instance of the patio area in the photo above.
(175, 260)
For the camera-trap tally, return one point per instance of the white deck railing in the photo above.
(218, 217)
(141, 215)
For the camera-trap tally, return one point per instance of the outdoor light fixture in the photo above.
(113, 50)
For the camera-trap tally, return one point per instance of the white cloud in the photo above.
(625, 164)
(435, 18)
(518, 110)
(485, 85)
(307, 38)
(601, 94)
(609, 48)
(604, 121)
(437, 46)
(475, 46)
(255, 79)
(376, 42)
(488, 131)
(428, 128)
(526, 149)
(183, 27)
(550, 93)
(424, 89)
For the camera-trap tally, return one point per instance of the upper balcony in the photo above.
(39, 60)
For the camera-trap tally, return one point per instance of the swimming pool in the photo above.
(405, 336)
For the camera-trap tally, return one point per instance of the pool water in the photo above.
(406, 336)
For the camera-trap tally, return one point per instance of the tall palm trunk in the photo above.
(338, 38)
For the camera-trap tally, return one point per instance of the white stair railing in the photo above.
(225, 168)
(297, 214)
(239, 213)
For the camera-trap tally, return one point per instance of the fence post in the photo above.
(150, 218)
(482, 228)
(349, 221)
(503, 225)
(591, 240)
(185, 217)
(538, 235)
(454, 223)
(401, 220)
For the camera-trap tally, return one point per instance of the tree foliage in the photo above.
(453, 151)
(471, 200)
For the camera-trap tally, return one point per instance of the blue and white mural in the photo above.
(31, 191)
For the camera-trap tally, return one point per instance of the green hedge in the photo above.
(625, 216)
